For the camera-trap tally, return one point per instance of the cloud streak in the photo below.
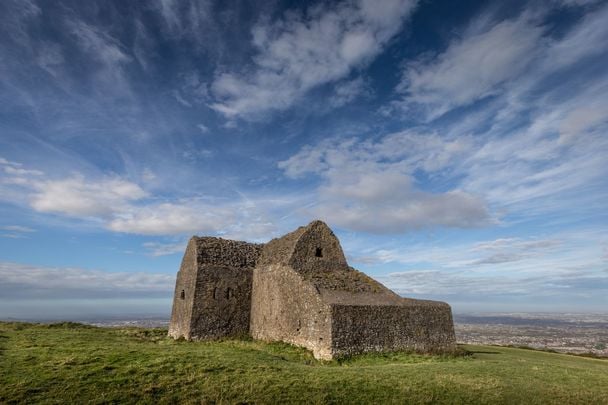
(566, 285)
(302, 51)
(23, 282)
(474, 66)
(120, 205)
(370, 186)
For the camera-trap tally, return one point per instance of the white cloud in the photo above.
(148, 175)
(538, 149)
(472, 67)
(185, 18)
(582, 119)
(541, 149)
(505, 258)
(566, 269)
(242, 219)
(18, 16)
(197, 154)
(108, 54)
(177, 95)
(300, 52)
(164, 249)
(17, 171)
(50, 58)
(17, 228)
(573, 286)
(571, 3)
(559, 155)
(346, 92)
(512, 250)
(77, 196)
(511, 56)
(22, 281)
(120, 205)
(584, 40)
(471, 256)
(172, 218)
(407, 150)
(514, 243)
(16, 231)
(369, 186)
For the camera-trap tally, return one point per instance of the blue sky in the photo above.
(458, 149)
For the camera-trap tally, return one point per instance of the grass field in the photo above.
(73, 363)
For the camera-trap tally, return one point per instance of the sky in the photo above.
(458, 149)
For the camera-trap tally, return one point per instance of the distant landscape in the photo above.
(565, 333)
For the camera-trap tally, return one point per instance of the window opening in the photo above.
(319, 252)
(182, 295)
(228, 293)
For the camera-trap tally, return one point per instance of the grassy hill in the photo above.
(66, 363)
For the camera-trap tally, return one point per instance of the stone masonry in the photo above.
(299, 289)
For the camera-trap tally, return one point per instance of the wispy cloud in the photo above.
(19, 14)
(534, 272)
(120, 205)
(172, 218)
(509, 58)
(474, 66)
(77, 196)
(163, 249)
(186, 18)
(584, 286)
(15, 231)
(23, 282)
(470, 255)
(531, 151)
(347, 91)
(17, 228)
(512, 250)
(107, 52)
(302, 51)
(369, 186)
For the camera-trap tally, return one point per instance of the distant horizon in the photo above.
(167, 317)
(457, 149)
(120, 312)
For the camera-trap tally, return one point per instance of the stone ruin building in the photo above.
(299, 289)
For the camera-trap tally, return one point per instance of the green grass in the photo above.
(73, 363)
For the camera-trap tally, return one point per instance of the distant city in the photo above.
(566, 333)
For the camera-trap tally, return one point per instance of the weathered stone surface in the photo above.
(213, 289)
(284, 307)
(299, 289)
(423, 326)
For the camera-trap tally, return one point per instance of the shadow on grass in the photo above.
(68, 325)
(2, 349)
(483, 352)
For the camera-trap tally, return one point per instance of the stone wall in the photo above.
(183, 298)
(213, 289)
(226, 252)
(423, 326)
(284, 307)
(222, 302)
